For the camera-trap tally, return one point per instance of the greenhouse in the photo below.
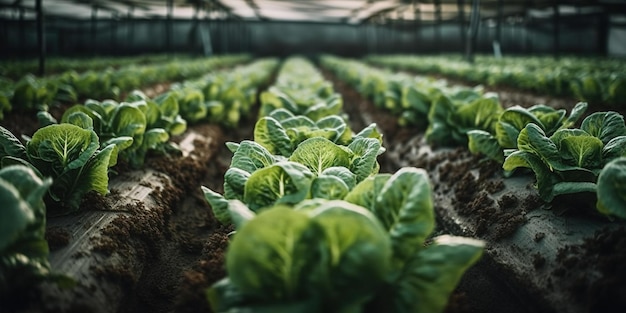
(274, 156)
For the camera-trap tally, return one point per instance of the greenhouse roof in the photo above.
(333, 11)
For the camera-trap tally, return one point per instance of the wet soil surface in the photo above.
(474, 199)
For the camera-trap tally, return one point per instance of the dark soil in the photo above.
(597, 270)
(475, 190)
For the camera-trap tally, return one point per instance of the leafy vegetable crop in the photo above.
(313, 256)
(570, 160)
(23, 248)
(513, 120)
(68, 154)
(320, 230)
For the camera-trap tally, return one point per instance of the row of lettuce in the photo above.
(318, 228)
(31, 92)
(17, 68)
(592, 80)
(588, 160)
(52, 171)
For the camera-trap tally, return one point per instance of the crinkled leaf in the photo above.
(15, 215)
(269, 133)
(532, 139)
(298, 121)
(319, 154)
(232, 146)
(29, 185)
(234, 183)
(219, 205)
(274, 99)
(330, 106)
(333, 123)
(604, 125)
(251, 156)
(282, 182)
(480, 114)
(269, 256)
(353, 243)
(578, 148)
(71, 186)
(69, 116)
(431, 274)
(614, 149)
(80, 119)
(240, 214)
(365, 193)
(365, 151)
(546, 179)
(10, 145)
(371, 131)
(328, 187)
(154, 137)
(45, 118)
(281, 114)
(405, 208)
(510, 123)
(439, 130)
(61, 146)
(551, 118)
(168, 106)
(576, 113)
(486, 144)
(128, 120)
(342, 173)
(612, 189)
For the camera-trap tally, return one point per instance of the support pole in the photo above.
(473, 31)
(528, 44)
(94, 21)
(461, 9)
(496, 44)
(603, 34)
(556, 30)
(22, 46)
(41, 37)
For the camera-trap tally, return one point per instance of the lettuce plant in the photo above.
(312, 256)
(223, 97)
(570, 160)
(316, 168)
(513, 120)
(453, 115)
(313, 106)
(69, 154)
(282, 131)
(131, 126)
(23, 248)
(32, 93)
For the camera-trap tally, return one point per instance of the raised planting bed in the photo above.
(562, 257)
(126, 251)
(106, 248)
